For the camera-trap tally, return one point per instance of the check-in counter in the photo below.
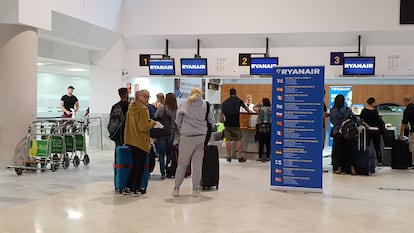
(248, 128)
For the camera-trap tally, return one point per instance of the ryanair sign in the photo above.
(161, 67)
(263, 65)
(193, 66)
(359, 66)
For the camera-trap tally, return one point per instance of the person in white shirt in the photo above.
(249, 104)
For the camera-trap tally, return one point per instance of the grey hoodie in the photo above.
(191, 118)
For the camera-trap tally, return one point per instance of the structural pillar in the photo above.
(18, 87)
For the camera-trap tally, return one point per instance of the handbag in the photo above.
(165, 120)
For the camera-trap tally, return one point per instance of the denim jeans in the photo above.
(163, 145)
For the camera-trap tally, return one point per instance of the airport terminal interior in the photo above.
(99, 46)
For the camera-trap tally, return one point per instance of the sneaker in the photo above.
(258, 159)
(136, 194)
(163, 177)
(228, 159)
(242, 160)
(176, 192)
(196, 193)
(125, 191)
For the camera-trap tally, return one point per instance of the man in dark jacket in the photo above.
(123, 103)
(230, 115)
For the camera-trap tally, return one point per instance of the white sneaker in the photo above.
(136, 194)
(196, 193)
(176, 192)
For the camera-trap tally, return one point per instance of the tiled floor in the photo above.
(82, 200)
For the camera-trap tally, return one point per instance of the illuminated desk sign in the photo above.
(193, 66)
(359, 66)
(263, 65)
(161, 67)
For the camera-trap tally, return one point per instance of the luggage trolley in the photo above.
(80, 144)
(75, 142)
(34, 151)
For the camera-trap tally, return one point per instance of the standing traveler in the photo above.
(69, 103)
(263, 128)
(230, 115)
(192, 125)
(123, 104)
(343, 151)
(408, 122)
(169, 107)
(137, 137)
(371, 119)
(160, 100)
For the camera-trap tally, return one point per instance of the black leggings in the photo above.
(264, 139)
(375, 136)
(138, 157)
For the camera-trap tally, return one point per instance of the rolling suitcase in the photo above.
(210, 169)
(401, 155)
(122, 167)
(172, 162)
(364, 159)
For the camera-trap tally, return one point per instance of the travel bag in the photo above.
(401, 155)
(210, 169)
(171, 162)
(123, 167)
(364, 160)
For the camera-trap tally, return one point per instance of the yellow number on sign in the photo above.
(146, 61)
(244, 61)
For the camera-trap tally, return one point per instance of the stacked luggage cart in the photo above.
(51, 143)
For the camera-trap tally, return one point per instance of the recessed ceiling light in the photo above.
(76, 69)
(40, 64)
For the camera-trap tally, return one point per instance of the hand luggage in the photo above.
(388, 137)
(172, 162)
(364, 160)
(401, 155)
(122, 167)
(210, 169)
(386, 157)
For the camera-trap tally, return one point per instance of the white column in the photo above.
(18, 86)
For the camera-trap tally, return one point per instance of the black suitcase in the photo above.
(364, 159)
(386, 157)
(210, 170)
(401, 155)
(172, 162)
(388, 137)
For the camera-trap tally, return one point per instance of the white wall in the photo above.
(261, 16)
(106, 78)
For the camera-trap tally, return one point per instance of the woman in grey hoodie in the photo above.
(192, 125)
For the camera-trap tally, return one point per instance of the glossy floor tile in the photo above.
(82, 200)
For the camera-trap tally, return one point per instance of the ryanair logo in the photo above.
(194, 67)
(161, 67)
(359, 66)
(263, 66)
(298, 71)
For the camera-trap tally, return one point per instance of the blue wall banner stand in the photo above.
(297, 128)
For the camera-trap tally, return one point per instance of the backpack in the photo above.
(116, 120)
(349, 129)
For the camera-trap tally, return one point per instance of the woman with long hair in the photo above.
(342, 150)
(168, 107)
(264, 120)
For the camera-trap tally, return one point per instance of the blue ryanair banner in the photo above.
(161, 67)
(297, 128)
(193, 66)
(263, 65)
